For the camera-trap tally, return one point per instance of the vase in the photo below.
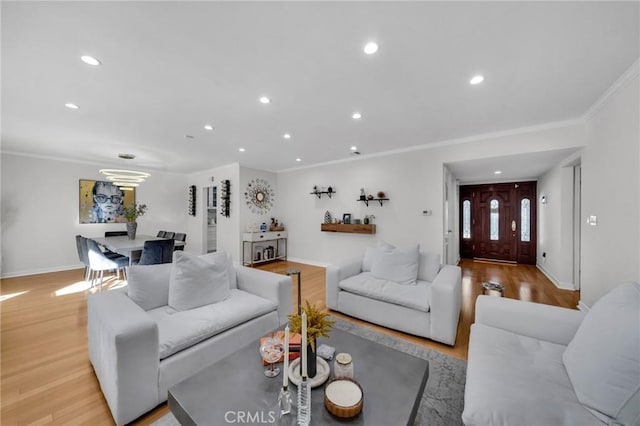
(132, 227)
(311, 361)
(327, 217)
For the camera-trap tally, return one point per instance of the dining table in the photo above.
(130, 248)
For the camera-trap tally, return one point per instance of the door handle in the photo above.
(513, 225)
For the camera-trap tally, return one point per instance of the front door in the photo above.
(498, 221)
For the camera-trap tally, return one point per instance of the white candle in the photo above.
(285, 376)
(304, 344)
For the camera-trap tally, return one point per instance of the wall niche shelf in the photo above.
(348, 228)
(367, 200)
(319, 193)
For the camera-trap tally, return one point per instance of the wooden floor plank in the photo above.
(46, 376)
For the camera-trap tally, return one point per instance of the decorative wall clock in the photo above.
(259, 196)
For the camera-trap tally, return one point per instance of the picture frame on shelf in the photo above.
(346, 218)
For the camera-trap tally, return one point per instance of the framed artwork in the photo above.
(346, 218)
(103, 202)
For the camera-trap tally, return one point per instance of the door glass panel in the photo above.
(525, 222)
(494, 220)
(466, 219)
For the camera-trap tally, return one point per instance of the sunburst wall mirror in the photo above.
(259, 196)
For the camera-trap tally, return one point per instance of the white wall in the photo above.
(555, 226)
(611, 191)
(227, 227)
(248, 217)
(40, 212)
(413, 181)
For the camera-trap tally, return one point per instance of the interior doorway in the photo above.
(498, 222)
(211, 235)
(577, 223)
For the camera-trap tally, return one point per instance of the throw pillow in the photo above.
(399, 265)
(603, 359)
(222, 256)
(429, 266)
(196, 282)
(148, 285)
(371, 253)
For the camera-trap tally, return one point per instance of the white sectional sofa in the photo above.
(399, 288)
(534, 364)
(149, 336)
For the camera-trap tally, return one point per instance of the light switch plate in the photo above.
(592, 220)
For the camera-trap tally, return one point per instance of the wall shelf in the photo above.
(348, 228)
(366, 201)
(319, 193)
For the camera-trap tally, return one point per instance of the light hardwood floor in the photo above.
(46, 377)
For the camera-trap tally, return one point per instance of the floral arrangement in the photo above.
(318, 323)
(134, 211)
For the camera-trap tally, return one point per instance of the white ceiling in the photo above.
(169, 68)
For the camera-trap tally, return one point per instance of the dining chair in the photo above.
(81, 245)
(115, 233)
(169, 234)
(180, 236)
(161, 234)
(156, 251)
(99, 262)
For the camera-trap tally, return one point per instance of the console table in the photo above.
(251, 240)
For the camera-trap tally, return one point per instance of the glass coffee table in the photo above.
(235, 389)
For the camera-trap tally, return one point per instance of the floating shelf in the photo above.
(348, 228)
(319, 193)
(366, 201)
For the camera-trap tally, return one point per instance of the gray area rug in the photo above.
(443, 398)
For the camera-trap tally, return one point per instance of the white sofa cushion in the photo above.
(372, 252)
(399, 264)
(603, 359)
(504, 368)
(412, 296)
(148, 285)
(429, 266)
(197, 282)
(179, 330)
(223, 256)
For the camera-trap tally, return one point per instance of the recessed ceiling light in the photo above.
(477, 79)
(298, 159)
(264, 100)
(90, 60)
(354, 148)
(286, 136)
(370, 48)
(72, 106)
(208, 127)
(356, 116)
(241, 149)
(497, 172)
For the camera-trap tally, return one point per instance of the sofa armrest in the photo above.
(271, 286)
(543, 322)
(446, 297)
(337, 273)
(123, 348)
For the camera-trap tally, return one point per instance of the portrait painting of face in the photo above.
(103, 202)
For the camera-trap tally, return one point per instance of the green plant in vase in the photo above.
(318, 325)
(131, 214)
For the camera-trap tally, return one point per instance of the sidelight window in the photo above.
(494, 220)
(466, 219)
(525, 220)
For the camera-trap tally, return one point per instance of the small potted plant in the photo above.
(318, 325)
(131, 214)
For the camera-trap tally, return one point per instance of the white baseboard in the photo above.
(560, 284)
(583, 307)
(308, 262)
(42, 271)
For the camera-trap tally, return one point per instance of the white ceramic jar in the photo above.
(343, 366)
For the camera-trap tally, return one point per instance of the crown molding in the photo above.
(622, 81)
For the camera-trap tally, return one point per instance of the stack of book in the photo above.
(295, 341)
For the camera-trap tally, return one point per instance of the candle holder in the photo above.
(304, 402)
(284, 401)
